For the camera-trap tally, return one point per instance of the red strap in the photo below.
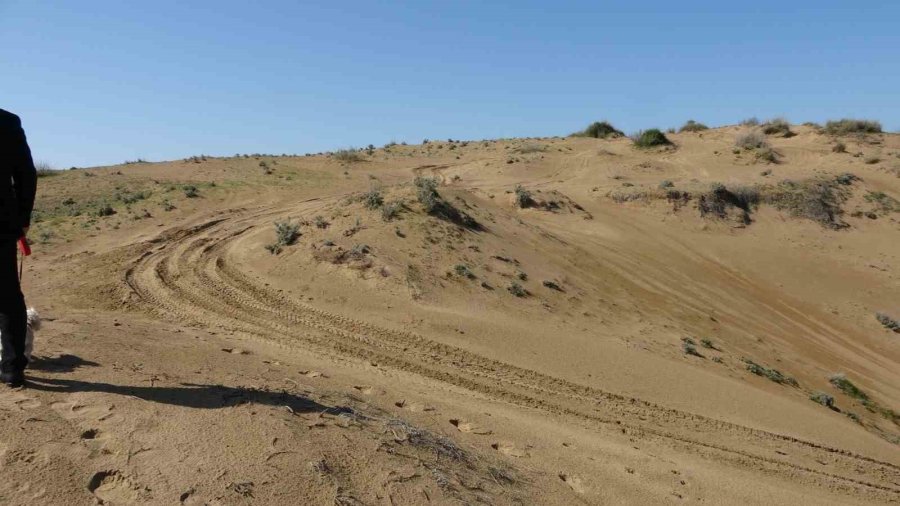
(24, 246)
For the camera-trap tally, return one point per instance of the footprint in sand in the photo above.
(74, 410)
(469, 427)
(112, 487)
(15, 400)
(507, 448)
(573, 482)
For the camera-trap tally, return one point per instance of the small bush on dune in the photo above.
(435, 205)
(841, 382)
(852, 126)
(523, 197)
(599, 130)
(751, 139)
(517, 290)
(840, 147)
(819, 200)
(693, 126)
(888, 322)
(777, 126)
(44, 169)
(190, 191)
(373, 199)
(390, 210)
(286, 232)
(750, 122)
(348, 155)
(823, 399)
(650, 138)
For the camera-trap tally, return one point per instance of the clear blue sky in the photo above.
(99, 82)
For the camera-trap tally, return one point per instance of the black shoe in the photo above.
(13, 379)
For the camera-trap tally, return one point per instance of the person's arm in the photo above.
(24, 175)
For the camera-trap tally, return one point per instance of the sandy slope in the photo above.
(186, 363)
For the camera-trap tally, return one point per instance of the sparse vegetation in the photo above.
(707, 343)
(852, 126)
(841, 382)
(517, 289)
(719, 200)
(871, 159)
(819, 200)
(320, 222)
(531, 148)
(693, 126)
(839, 147)
(373, 199)
(44, 169)
(599, 130)
(823, 399)
(190, 191)
(751, 139)
(689, 347)
(105, 210)
(888, 322)
(750, 122)
(665, 183)
(777, 126)
(553, 285)
(349, 155)
(435, 205)
(523, 197)
(772, 374)
(463, 271)
(286, 232)
(391, 210)
(650, 138)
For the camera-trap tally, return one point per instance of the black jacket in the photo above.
(18, 178)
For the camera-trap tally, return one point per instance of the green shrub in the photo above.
(650, 138)
(665, 183)
(750, 122)
(286, 232)
(190, 191)
(852, 126)
(320, 222)
(599, 130)
(693, 126)
(841, 382)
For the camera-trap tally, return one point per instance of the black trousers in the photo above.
(12, 310)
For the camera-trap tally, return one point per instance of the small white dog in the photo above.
(34, 324)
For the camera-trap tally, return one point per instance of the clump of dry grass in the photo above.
(852, 126)
(751, 139)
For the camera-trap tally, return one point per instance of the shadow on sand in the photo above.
(190, 395)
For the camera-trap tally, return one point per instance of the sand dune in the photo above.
(539, 321)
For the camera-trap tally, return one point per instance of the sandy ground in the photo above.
(384, 360)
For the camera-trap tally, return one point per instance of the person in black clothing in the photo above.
(18, 183)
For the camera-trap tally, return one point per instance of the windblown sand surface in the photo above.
(384, 358)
